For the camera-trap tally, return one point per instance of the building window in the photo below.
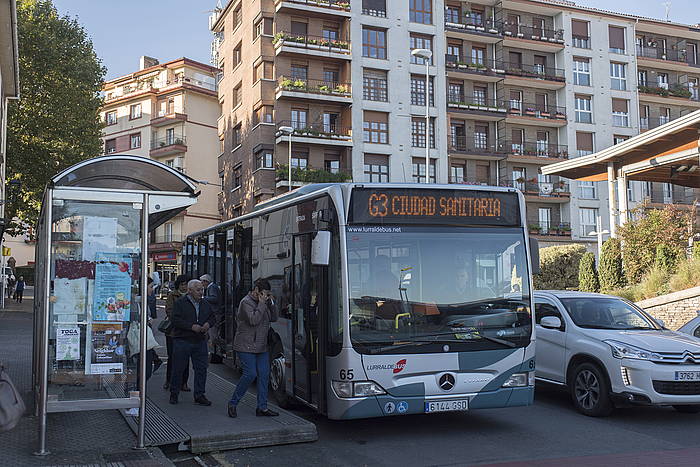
(374, 85)
(299, 118)
(168, 232)
(453, 14)
(237, 16)
(237, 177)
(237, 137)
(299, 28)
(584, 143)
(375, 128)
(111, 117)
(376, 168)
(110, 146)
(135, 141)
(299, 72)
(620, 112)
(418, 132)
(135, 111)
(544, 217)
(263, 26)
(332, 165)
(421, 11)
(419, 170)
(588, 218)
(618, 76)
(616, 38)
(584, 113)
(664, 115)
(588, 190)
(331, 76)
(373, 43)
(662, 80)
(263, 159)
(580, 37)
(617, 139)
(237, 55)
(374, 8)
(582, 71)
(418, 90)
(237, 95)
(457, 172)
(421, 42)
(300, 160)
(263, 114)
(642, 78)
(263, 70)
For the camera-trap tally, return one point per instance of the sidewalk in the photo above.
(95, 437)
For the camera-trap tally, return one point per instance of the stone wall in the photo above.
(676, 308)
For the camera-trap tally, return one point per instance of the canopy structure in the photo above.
(667, 154)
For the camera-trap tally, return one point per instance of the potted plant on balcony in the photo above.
(344, 5)
(313, 44)
(324, 88)
(178, 141)
(545, 113)
(342, 89)
(481, 67)
(299, 84)
(560, 115)
(286, 84)
(279, 38)
(530, 112)
(533, 228)
(462, 65)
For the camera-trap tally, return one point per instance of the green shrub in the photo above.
(687, 275)
(655, 283)
(559, 267)
(665, 258)
(587, 274)
(696, 250)
(610, 271)
(630, 293)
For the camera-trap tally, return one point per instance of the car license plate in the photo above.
(447, 406)
(687, 375)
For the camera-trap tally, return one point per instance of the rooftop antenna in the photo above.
(667, 5)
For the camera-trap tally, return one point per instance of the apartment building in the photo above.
(168, 112)
(512, 85)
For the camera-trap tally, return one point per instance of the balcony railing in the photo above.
(556, 189)
(581, 42)
(166, 141)
(535, 71)
(285, 83)
(317, 130)
(476, 103)
(466, 181)
(312, 175)
(660, 53)
(534, 33)
(334, 4)
(173, 238)
(473, 24)
(372, 12)
(561, 229)
(536, 149)
(528, 109)
(473, 145)
(683, 90)
(468, 65)
(648, 123)
(311, 42)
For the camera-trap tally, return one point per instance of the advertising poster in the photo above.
(70, 296)
(99, 234)
(68, 343)
(107, 344)
(112, 288)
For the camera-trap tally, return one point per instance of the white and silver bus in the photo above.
(393, 298)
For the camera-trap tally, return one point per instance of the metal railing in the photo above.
(684, 90)
(473, 145)
(471, 23)
(166, 141)
(535, 33)
(535, 71)
(334, 4)
(469, 65)
(536, 149)
(285, 83)
(648, 123)
(312, 42)
(550, 228)
(467, 181)
(581, 42)
(529, 109)
(316, 130)
(542, 189)
(660, 53)
(466, 102)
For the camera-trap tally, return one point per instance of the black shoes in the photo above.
(232, 410)
(201, 400)
(157, 364)
(265, 413)
(173, 398)
(166, 386)
(186, 388)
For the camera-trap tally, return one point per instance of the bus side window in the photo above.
(546, 309)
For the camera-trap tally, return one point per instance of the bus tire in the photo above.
(277, 377)
(590, 391)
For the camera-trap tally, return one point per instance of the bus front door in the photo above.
(309, 299)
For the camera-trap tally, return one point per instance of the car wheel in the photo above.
(590, 391)
(687, 408)
(277, 377)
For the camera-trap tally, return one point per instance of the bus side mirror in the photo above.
(535, 255)
(321, 248)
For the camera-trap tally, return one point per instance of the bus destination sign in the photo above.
(434, 206)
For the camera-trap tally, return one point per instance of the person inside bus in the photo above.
(383, 283)
(212, 294)
(255, 313)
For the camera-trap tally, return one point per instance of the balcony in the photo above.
(304, 176)
(320, 7)
(316, 133)
(165, 117)
(679, 93)
(539, 152)
(488, 31)
(550, 229)
(674, 57)
(288, 43)
(535, 114)
(168, 145)
(556, 192)
(485, 70)
(464, 181)
(532, 37)
(649, 123)
(313, 89)
(482, 108)
(469, 145)
(540, 76)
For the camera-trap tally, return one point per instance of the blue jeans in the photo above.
(255, 365)
(183, 351)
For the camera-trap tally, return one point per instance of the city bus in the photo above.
(393, 299)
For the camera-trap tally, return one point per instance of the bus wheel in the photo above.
(277, 379)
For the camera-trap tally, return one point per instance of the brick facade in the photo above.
(676, 308)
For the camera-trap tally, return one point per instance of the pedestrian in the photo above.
(11, 281)
(192, 317)
(152, 314)
(19, 289)
(212, 294)
(255, 313)
(179, 290)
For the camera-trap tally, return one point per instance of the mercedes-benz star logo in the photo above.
(447, 382)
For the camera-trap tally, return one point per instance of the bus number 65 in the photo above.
(346, 374)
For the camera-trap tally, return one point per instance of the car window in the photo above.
(543, 309)
(606, 313)
(697, 332)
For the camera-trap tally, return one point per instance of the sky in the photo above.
(123, 30)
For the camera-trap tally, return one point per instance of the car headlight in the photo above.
(622, 350)
(518, 380)
(345, 389)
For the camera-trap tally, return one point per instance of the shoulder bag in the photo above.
(11, 404)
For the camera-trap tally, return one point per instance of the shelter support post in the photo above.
(143, 318)
(612, 205)
(623, 184)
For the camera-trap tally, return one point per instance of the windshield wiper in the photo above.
(488, 338)
(414, 342)
(638, 328)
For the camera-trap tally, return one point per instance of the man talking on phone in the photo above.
(255, 313)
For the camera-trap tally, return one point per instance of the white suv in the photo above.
(609, 353)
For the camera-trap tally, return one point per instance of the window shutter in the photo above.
(616, 36)
(377, 159)
(619, 105)
(541, 102)
(517, 136)
(584, 141)
(579, 28)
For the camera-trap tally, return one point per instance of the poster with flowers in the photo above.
(112, 290)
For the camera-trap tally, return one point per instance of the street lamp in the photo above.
(426, 55)
(599, 232)
(288, 130)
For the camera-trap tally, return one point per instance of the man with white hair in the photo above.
(192, 316)
(212, 294)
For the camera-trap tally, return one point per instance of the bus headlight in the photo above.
(517, 380)
(345, 389)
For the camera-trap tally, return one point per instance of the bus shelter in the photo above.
(666, 154)
(92, 261)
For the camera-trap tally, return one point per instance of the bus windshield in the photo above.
(435, 289)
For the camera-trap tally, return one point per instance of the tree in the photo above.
(587, 275)
(666, 258)
(559, 267)
(610, 270)
(56, 122)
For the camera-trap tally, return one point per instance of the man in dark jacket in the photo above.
(255, 313)
(191, 319)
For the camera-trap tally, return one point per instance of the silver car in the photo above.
(692, 327)
(607, 352)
